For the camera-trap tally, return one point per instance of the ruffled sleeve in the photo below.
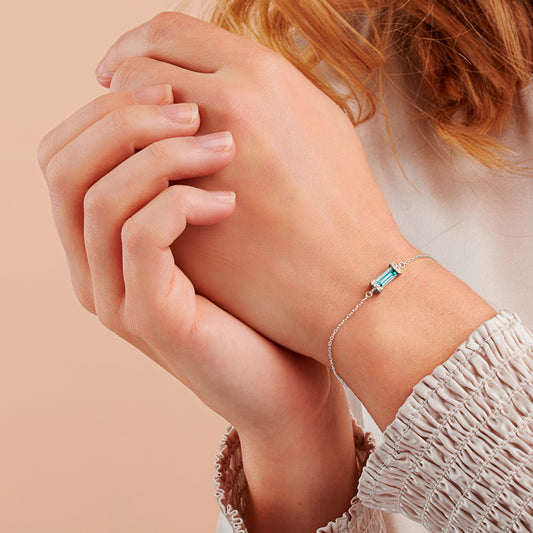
(230, 488)
(230, 481)
(458, 457)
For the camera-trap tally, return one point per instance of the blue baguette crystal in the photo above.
(384, 278)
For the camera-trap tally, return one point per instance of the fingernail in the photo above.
(225, 197)
(180, 112)
(155, 94)
(215, 142)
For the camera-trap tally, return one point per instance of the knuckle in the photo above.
(239, 106)
(231, 100)
(134, 318)
(227, 99)
(180, 195)
(85, 298)
(93, 202)
(54, 172)
(131, 235)
(98, 107)
(159, 27)
(127, 72)
(159, 151)
(108, 319)
(83, 289)
(127, 119)
(121, 118)
(185, 199)
(43, 151)
(267, 64)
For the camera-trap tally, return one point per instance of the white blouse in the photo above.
(459, 455)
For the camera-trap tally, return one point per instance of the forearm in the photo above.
(305, 478)
(399, 336)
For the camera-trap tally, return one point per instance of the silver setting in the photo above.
(375, 285)
(397, 268)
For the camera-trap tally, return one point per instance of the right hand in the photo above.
(108, 168)
(312, 226)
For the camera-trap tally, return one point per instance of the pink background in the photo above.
(95, 437)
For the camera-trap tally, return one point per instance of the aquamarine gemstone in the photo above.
(386, 277)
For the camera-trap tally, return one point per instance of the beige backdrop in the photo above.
(94, 436)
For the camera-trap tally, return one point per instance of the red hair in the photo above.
(471, 58)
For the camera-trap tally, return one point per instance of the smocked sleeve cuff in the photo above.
(458, 456)
(230, 482)
(230, 488)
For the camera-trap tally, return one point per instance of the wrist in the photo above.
(311, 463)
(303, 432)
(401, 335)
(343, 283)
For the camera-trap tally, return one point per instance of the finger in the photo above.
(125, 190)
(154, 287)
(70, 128)
(91, 155)
(136, 72)
(175, 38)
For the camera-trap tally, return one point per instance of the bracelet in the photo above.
(377, 285)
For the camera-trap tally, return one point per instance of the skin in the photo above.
(277, 264)
(117, 219)
(311, 224)
(299, 169)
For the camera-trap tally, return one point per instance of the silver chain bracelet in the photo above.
(377, 285)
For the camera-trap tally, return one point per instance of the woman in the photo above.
(246, 318)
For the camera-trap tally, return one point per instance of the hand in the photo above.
(108, 167)
(311, 228)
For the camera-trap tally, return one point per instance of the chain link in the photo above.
(368, 294)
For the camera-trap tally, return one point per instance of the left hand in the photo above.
(312, 227)
(107, 168)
